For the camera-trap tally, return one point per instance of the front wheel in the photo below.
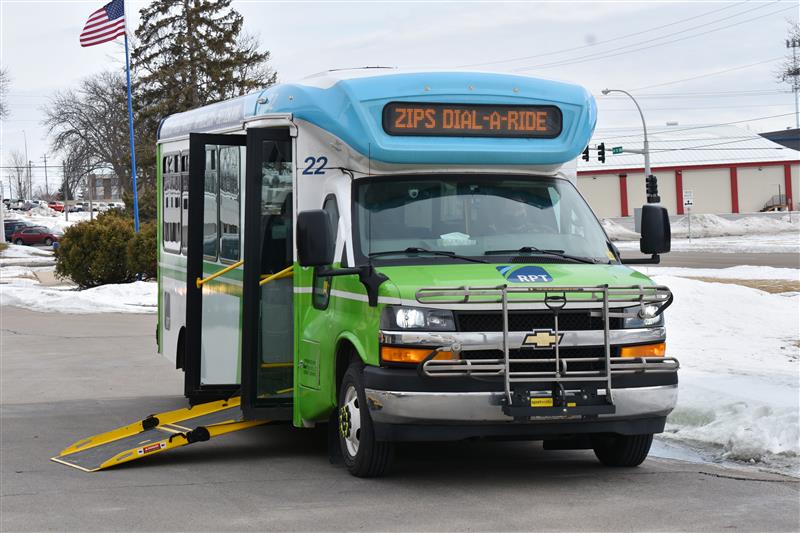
(622, 450)
(20, 242)
(362, 454)
(48, 241)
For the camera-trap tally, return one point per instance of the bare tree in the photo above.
(89, 126)
(5, 82)
(18, 172)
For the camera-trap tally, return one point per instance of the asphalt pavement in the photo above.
(65, 377)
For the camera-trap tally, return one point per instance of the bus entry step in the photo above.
(156, 434)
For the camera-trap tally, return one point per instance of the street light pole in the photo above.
(652, 192)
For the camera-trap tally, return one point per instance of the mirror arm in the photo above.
(652, 260)
(367, 275)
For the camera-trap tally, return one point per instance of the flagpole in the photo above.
(130, 131)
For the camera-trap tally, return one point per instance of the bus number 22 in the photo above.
(315, 165)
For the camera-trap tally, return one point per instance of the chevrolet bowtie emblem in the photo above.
(545, 338)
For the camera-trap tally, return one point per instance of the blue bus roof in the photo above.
(349, 105)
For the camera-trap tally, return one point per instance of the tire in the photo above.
(622, 450)
(19, 242)
(48, 241)
(361, 453)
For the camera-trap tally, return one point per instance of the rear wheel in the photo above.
(622, 450)
(362, 454)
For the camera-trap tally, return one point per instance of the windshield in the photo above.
(476, 216)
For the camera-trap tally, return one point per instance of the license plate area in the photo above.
(557, 403)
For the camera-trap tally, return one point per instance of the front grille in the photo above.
(482, 321)
(564, 353)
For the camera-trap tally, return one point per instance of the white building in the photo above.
(728, 170)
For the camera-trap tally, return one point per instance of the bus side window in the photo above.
(172, 216)
(322, 285)
(229, 203)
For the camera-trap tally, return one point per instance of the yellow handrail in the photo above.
(200, 281)
(285, 273)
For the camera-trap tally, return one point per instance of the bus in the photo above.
(404, 256)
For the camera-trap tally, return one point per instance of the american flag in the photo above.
(105, 24)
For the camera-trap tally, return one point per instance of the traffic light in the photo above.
(601, 152)
(651, 188)
(585, 155)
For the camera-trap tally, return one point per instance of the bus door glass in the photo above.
(213, 305)
(268, 320)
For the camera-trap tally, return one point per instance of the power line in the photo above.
(606, 55)
(709, 125)
(707, 75)
(563, 50)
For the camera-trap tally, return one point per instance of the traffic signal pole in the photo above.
(650, 180)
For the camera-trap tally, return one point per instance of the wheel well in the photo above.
(180, 354)
(346, 353)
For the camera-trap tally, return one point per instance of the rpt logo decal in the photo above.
(525, 274)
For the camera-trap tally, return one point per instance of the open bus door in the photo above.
(268, 291)
(213, 308)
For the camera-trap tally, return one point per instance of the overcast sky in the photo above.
(694, 62)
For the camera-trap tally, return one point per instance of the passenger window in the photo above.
(322, 285)
(210, 206)
(171, 181)
(229, 203)
(184, 203)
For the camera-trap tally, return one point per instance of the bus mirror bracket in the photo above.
(367, 275)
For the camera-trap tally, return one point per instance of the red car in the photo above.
(33, 235)
(56, 206)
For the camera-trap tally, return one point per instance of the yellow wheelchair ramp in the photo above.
(155, 434)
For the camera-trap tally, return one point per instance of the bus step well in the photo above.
(155, 434)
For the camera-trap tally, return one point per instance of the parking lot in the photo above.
(69, 376)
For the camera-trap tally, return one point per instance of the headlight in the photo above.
(404, 318)
(643, 320)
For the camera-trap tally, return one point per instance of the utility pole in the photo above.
(64, 189)
(90, 183)
(25, 138)
(30, 181)
(794, 73)
(46, 188)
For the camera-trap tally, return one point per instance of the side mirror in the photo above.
(314, 244)
(656, 236)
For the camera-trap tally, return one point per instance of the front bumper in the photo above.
(406, 406)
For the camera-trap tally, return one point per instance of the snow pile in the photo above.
(137, 297)
(25, 255)
(706, 225)
(737, 272)
(41, 211)
(739, 350)
(617, 232)
(779, 242)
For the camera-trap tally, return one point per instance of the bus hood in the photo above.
(405, 280)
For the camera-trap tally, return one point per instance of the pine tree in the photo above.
(191, 53)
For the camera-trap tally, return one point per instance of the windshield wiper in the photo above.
(538, 251)
(414, 250)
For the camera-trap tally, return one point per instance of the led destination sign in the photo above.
(472, 120)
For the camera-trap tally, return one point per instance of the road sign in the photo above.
(688, 198)
(616, 150)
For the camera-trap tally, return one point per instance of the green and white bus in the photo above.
(405, 256)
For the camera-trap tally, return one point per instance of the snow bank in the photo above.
(778, 242)
(737, 272)
(739, 350)
(137, 297)
(25, 255)
(616, 232)
(55, 220)
(706, 225)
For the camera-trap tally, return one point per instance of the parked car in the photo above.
(34, 235)
(56, 206)
(76, 207)
(10, 226)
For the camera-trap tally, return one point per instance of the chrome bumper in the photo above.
(395, 407)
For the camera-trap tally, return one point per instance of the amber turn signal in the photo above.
(645, 350)
(394, 354)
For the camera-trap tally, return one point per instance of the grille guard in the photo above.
(600, 298)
